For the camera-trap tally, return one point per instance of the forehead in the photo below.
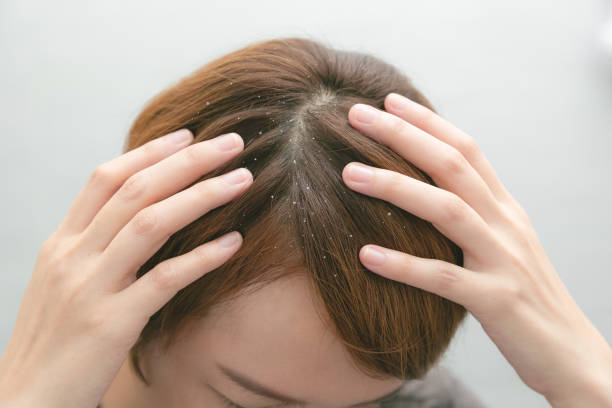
(276, 334)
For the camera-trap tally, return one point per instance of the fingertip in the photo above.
(396, 102)
(240, 140)
(373, 255)
(230, 240)
(345, 171)
(181, 136)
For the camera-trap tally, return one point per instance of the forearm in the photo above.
(597, 395)
(591, 385)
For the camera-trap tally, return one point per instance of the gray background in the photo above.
(528, 79)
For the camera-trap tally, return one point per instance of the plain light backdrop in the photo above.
(527, 79)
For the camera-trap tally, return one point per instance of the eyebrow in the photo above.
(261, 390)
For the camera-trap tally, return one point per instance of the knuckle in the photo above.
(163, 276)
(453, 208)
(446, 279)
(511, 216)
(99, 320)
(423, 116)
(70, 288)
(451, 162)
(506, 217)
(49, 247)
(103, 175)
(507, 295)
(210, 192)
(203, 253)
(396, 124)
(135, 186)
(96, 319)
(468, 147)
(193, 155)
(517, 261)
(522, 214)
(211, 187)
(146, 221)
(58, 272)
(511, 205)
(394, 184)
(149, 148)
(60, 258)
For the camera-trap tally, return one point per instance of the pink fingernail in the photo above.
(230, 239)
(374, 256)
(365, 113)
(181, 136)
(359, 173)
(237, 176)
(227, 142)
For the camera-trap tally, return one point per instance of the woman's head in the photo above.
(295, 301)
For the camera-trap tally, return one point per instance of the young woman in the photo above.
(329, 268)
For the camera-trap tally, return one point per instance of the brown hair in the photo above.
(289, 99)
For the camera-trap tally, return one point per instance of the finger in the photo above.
(445, 210)
(442, 278)
(435, 125)
(446, 166)
(156, 183)
(152, 226)
(109, 176)
(155, 288)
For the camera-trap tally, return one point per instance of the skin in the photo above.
(84, 278)
(292, 352)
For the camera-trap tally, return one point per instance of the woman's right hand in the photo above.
(83, 307)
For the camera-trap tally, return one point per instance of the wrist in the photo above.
(590, 387)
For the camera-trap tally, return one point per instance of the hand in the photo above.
(507, 282)
(83, 308)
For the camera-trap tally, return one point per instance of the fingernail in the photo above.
(226, 142)
(230, 239)
(397, 101)
(374, 256)
(180, 136)
(237, 176)
(359, 173)
(365, 113)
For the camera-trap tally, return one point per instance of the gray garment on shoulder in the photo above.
(439, 388)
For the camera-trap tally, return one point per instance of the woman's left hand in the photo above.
(507, 282)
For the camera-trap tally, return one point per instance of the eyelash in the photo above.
(228, 403)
